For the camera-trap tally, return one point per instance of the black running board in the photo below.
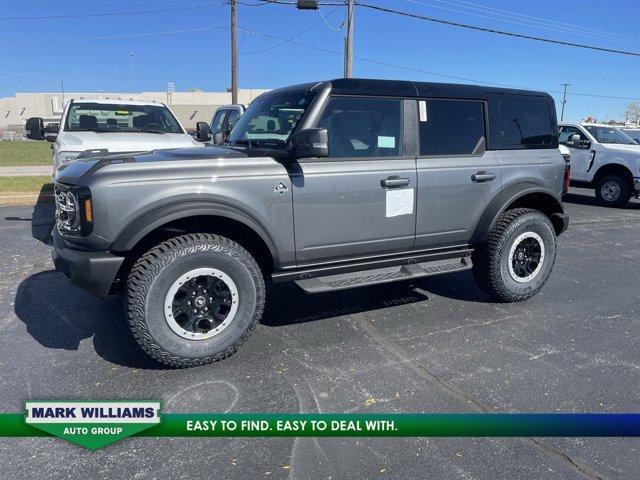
(378, 276)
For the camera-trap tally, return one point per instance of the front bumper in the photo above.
(93, 271)
(636, 184)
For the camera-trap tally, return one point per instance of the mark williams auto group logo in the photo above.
(92, 424)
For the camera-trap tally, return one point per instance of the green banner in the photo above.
(96, 424)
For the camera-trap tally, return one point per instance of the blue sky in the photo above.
(92, 53)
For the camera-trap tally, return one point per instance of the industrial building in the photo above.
(189, 107)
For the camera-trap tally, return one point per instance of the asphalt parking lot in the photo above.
(434, 345)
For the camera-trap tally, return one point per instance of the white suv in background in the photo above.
(91, 127)
(604, 158)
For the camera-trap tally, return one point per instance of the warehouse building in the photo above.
(189, 107)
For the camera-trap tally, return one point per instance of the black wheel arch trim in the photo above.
(507, 196)
(154, 219)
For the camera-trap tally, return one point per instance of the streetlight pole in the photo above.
(564, 100)
(133, 72)
(234, 53)
(348, 54)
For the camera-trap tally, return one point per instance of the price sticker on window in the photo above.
(422, 107)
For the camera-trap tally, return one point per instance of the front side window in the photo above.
(102, 117)
(216, 123)
(271, 118)
(526, 124)
(567, 132)
(451, 127)
(610, 135)
(234, 116)
(363, 127)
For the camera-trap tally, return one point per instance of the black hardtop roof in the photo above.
(404, 88)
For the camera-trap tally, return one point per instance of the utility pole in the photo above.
(133, 72)
(564, 100)
(62, 89)
(234, 53)
(348, 48)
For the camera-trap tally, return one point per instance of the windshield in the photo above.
(101, 117)
(271, 118)
(610, 135)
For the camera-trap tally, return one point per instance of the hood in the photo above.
(71, 173)
(622, 148)
(125, 141)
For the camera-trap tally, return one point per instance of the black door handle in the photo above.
(394, 182)
(483, 177)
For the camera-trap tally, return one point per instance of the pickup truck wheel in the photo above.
(613, 190)
(194, 299)
(516, 259)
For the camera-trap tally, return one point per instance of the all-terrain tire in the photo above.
(492, 258)
(158, 269)
(613, 190)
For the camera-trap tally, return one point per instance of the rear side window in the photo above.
(526, 125)
(451, 127)
(363, 127)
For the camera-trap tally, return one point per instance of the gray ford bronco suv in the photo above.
(332, 185)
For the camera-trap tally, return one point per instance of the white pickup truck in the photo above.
(96, 126)
(604, 158)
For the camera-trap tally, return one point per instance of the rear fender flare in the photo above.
(503, 200)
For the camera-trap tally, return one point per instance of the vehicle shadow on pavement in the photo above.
(59, 315)
(591, 200)
(288, 304)
(43, 219)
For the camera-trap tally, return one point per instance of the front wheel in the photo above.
(613, 190)
(516, 259)
(194, 299)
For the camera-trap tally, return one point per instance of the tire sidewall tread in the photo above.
(156, 270)
(490, 258)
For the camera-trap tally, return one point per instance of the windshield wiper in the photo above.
(98, 130)
(243, 141)
(143, 130)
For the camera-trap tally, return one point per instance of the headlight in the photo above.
(65, 157)
(74, 210)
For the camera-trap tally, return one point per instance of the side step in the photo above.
(377, 276)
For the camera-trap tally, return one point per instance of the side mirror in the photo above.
(203, 132)
(34, 128)
(575, 142)
(310, 142)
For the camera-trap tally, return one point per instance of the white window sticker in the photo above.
(399, 202)
(422, 106)
(386, 142)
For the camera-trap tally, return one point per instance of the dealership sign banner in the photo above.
(92, 424)
(95, 424)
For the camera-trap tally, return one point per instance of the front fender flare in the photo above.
(150, 221)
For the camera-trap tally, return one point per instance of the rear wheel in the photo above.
(194, 299)
(613, 190)
(516, 259)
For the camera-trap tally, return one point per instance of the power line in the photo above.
(291, 38)
(418, 70)
(112, 14)
(491, 30)
(526, 20)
